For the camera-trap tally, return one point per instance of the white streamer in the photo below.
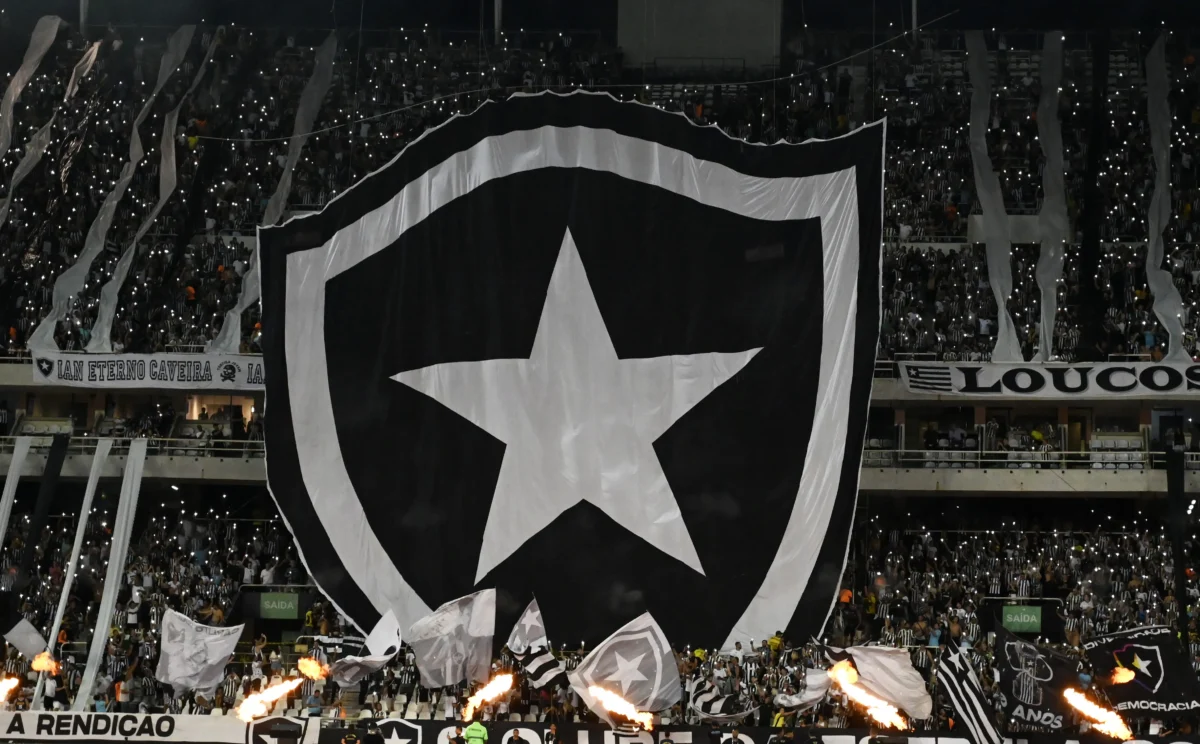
(131, 486)
(82, 68)
(71, 282)
(36, 147)
(103, 447)
(306, 113)
(1052, 221)
(995, 217)
(1168, 305)
(15, 466)
(101, 341)
(39, 43)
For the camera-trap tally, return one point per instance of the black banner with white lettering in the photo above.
(1114, 379)
(1162, 684)
(149, 371)
(1031, 683)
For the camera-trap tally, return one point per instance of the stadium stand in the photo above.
(924, 588)
(933, 576)
(232, 141)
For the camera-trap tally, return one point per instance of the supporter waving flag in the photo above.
(966, 695)
(889, 674)
(454, 643)
(531, 648)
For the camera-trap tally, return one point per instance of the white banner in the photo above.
(42, 726)
(165, 371)
(194, 655)
(1100, 380)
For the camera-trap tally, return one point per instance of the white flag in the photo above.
(26, 639)
(455, 642)
(529, 632)
(382, 646)
(816, 687)
(193, 656)
(636, 663)
(888, 673)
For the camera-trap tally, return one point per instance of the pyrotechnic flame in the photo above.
(44, 662)
(7, 685)
(614, 703)
(883, 712)
(259, 704)
(311, 668)
(1105, 721)
(1121, 675)
(495, 688)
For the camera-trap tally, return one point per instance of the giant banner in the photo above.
(135, 727)
(575, 332)
(1058, 381)
(149, 371)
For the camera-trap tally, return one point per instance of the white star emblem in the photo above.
(394, 736)
(578, 421)
(531, 620)
(1142, 665)
(627, 671)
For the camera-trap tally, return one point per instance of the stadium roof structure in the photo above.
(601, 15)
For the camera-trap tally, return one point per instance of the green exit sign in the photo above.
(279, 605)
(1022, 618)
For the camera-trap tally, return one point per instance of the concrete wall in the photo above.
(737, 29)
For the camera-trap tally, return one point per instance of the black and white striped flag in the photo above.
(709, 701)
(541, 668)
(529, 646)
(966, 695)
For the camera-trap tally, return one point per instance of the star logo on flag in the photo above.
(627, 671)
(1142, 665)
(531, 620)
(396, 731)
(563, 393)
(1146, 661)
(635, 659)
(521, 350)
(528, 633)
(276, 729)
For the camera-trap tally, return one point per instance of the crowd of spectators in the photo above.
(907, 584)
(924, 588)
(192, 561)
(389, 87)
(231, 146)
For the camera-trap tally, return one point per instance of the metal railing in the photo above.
(17, 356)
(1132, 460)
(158, 446)
(917, 459)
